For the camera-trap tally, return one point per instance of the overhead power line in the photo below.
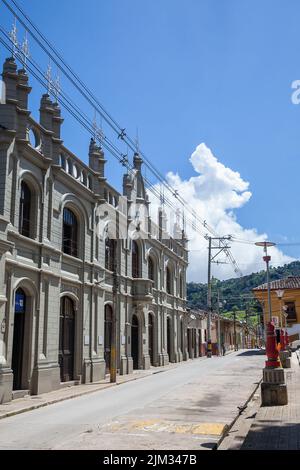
(120, 131)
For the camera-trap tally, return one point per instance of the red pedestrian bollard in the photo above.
(271, 347)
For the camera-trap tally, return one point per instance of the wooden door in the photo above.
(18, 339)
(107, 336)
(169, 337)
(150, 338)
(135, 341)
(66, 340)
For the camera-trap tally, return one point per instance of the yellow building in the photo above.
(285, 304)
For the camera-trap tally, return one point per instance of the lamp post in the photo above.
(219, 306)
(279, 294)
(189, 338)
(267, 259)
(273, 386)
(285, 314)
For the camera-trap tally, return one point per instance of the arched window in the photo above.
(110, 253)
(25, 210)
(135, 259)
(181, 286)
(168, 280)
(70, 233)
(151, 274)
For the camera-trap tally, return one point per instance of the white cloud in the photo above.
(214, 193)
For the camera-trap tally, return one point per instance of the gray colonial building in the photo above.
(72, 249)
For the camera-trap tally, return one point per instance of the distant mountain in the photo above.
(237, 291)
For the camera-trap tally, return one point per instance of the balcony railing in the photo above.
(142, 288)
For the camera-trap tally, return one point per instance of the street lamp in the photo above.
(285, 314)
(267, 259)
(279, 294)
(273, 386)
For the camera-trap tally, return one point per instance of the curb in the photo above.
(228, 427)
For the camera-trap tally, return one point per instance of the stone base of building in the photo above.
(163, 359)
(146, 362)
(6, 385)
(98, 367)
(87, 371)
(185, 355)
(273, 387)
(123, 365)
(285, 359)
(126, 365)
(45, 378)
(175, 357)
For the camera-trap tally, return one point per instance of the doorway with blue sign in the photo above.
(18, 338)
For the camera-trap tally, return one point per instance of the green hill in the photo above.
(236, 292)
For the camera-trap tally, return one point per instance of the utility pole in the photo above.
(209, 299)
(234, 330)
(211, 259)
(247, 328)
(219, 325)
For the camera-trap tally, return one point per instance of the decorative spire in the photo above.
(14, 39)
(56, 87)
(162, 196)
(48, 77)
(137, 143)
(25, 50)
(97, 131)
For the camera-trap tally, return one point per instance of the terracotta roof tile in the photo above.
(290, 282)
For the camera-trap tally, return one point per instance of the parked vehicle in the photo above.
(295, 345)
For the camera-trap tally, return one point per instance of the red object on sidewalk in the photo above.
(271, 347)
(282, 340)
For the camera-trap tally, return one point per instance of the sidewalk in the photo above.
(272, 427)
(31, 402)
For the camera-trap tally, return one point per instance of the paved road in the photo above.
(182, 408)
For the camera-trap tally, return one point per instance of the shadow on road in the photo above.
(253, 352)
(209, 445)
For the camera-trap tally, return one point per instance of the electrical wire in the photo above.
(87, 94)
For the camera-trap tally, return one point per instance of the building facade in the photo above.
(285, 304)
(74, 256)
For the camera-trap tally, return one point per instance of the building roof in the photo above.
(290, 282)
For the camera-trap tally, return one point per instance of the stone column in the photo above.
(6, 374)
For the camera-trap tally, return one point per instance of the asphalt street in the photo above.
(187, 407)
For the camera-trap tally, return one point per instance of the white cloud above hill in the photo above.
(214, 193)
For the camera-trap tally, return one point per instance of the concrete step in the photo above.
(19, 394)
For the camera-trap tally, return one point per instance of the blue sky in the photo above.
(193, 71)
